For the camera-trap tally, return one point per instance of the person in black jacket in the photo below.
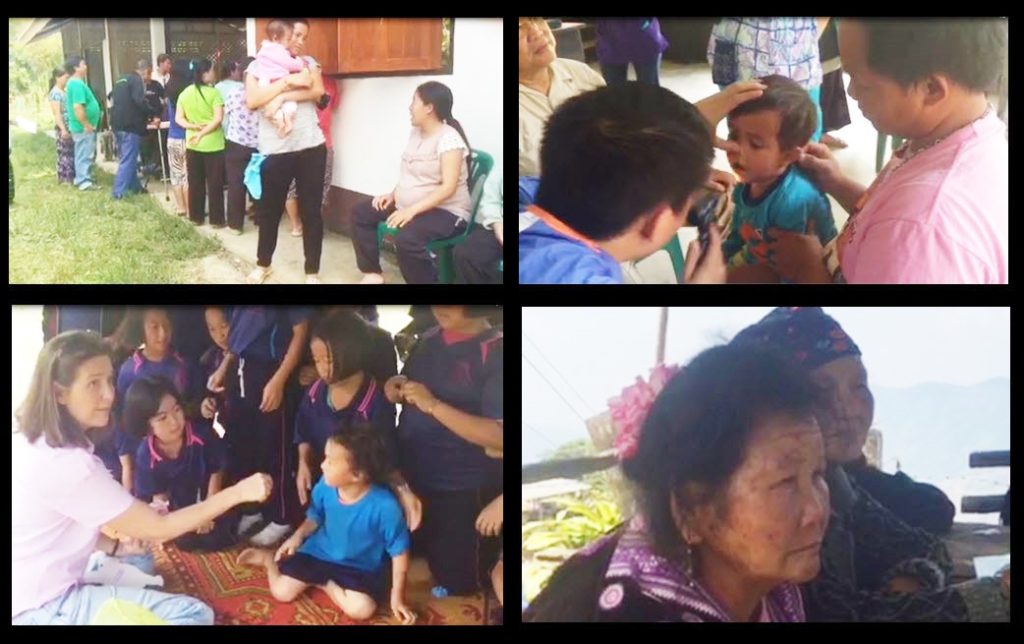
(130, 114)
(150, 146)
(918, 504)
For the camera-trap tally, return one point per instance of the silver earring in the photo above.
(688, 564)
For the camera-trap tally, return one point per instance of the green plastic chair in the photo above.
(675, 251)
(880, 149)
(480, 166)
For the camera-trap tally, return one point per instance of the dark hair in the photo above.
(348, 340)
(142, 402)
(972, 53)
(612, 154)
(180, 75)
(277, 28)
(700, 424)
(482, 310)
(73, 62)
(199, 68)
(55, 74)
(369, 452)
(440, 97)
(295, 21)
(130, 331)
(40, 414)
(797, 112)
(162, 57)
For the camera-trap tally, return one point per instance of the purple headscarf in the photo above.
(805, 333)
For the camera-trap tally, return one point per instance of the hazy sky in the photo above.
(600, 350)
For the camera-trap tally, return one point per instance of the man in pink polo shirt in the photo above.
(938, 211)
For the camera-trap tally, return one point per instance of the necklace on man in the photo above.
(910, 154)
(849, 230)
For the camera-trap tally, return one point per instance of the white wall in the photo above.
(26, 341)
(371, 126)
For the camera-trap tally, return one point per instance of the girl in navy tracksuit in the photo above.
(264, 347)
(151, 328)
(451, 395)
(179, 462)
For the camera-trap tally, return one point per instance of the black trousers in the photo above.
(276, 174)
(222, 536)
(413, 257)
(476, 259)
(150, 151)
(459, 557)
(259, 441)
(236, 158)
(834, 108)
(206, 175)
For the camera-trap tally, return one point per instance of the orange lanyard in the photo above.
(561, 228)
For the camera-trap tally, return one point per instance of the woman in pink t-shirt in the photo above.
(431, 200)
(62, 494)
(938, 212)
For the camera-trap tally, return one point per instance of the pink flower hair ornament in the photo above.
(629, 409)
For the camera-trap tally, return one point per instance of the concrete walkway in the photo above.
(238, 257)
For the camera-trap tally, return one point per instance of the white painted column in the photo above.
(26, 342)
(107, 67)
(250, 37)
(157, 38)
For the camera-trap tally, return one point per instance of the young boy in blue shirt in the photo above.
(773, 192)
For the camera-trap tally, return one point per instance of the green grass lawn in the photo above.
(60, 235)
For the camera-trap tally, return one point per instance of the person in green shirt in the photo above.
(477, 259)
(83, 119)
(200, 111)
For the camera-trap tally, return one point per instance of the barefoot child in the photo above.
(274, 61)
(345, 393)
(179, 462)
(353, 524)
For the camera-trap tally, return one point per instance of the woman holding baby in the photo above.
(290, 140)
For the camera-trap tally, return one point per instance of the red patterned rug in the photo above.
(239, 594)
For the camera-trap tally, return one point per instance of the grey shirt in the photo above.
(305, 134)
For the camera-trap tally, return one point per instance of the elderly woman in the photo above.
(729, 470)
(875, 567)
(546, 81)
(63, 494)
